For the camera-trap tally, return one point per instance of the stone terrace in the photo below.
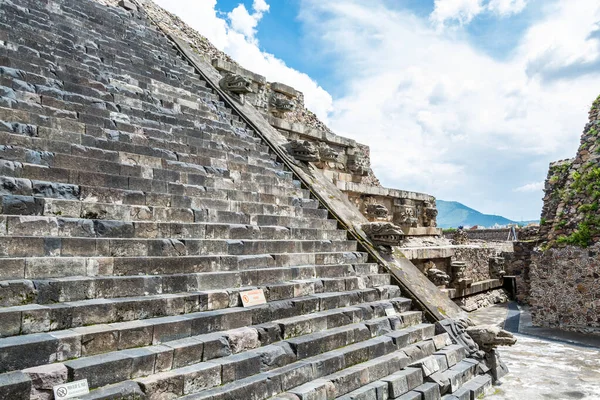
(135, 208)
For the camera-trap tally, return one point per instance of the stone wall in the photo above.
(565, 288)
(484, 234)
(478, 261)
(518, 265)
(572, 192)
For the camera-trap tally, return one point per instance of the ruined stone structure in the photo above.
(562, 275)
(141, 194)
(572, 192)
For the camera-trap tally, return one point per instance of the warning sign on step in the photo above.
(71, 389)
(253, 297)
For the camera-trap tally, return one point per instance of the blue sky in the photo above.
(467, 100)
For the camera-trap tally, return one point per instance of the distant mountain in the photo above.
(452, 214)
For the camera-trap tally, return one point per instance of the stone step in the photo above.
(176, 195)
(319, 377)
(35, 246)
(102, 337)
(418, 381)
(378, 378)
(52, 134)
(126, 179)
(57, 267)
(269, 382)
(242, 213)
(178, 167)
(35, 318)
(476, 388)
(21, 292)
(63, 227)
(133, 150)
(25, 54)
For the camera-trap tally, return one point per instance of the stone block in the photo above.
(97, 339)
(162, 386)
(20, 352)
(315, 390)
(429, 391)
(142, 361)
(127, 390)
(216, 345)
(101, 370)
(238, 366)
(164, 357)
(22, 205)
(186, 351)
(199, 377)
(44, 377)
(127, 5)
(15, 386)
(11, 323)
(133, 334)
(17, 293)
(403, 381)
(69, 344)
(171, 328)
(412, 395)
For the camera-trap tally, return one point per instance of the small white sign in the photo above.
(390, 311)
(71, 389)
(253, 297)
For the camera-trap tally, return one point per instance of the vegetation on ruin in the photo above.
(585, 184)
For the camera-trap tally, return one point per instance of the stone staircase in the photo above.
(135, 206)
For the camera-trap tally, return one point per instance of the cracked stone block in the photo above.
(243, 339)
(15, 186)
(22, 205)
(17, 293)
(55, 190)
(44, 377)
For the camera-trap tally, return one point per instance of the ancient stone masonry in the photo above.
(138, 199)
(560, 278)
(565, 288)
(572, 193)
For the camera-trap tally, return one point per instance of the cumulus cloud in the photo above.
(506, 7)
(235, 35)
(444, 117)
(530, 187)
(244, 22)
(461, 11)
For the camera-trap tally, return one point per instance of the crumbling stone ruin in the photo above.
(147, 194)
(563, 270)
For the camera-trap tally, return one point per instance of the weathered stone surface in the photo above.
(15, 385)
(488, 337)
(44, 377)
(127, 390)
(22, 205)
(243, 339)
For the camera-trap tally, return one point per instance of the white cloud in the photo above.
(442, 116)
(461, 11)
(236, 37)
(244, 22)
(530, 187)
(260, 6)
(506, 7)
